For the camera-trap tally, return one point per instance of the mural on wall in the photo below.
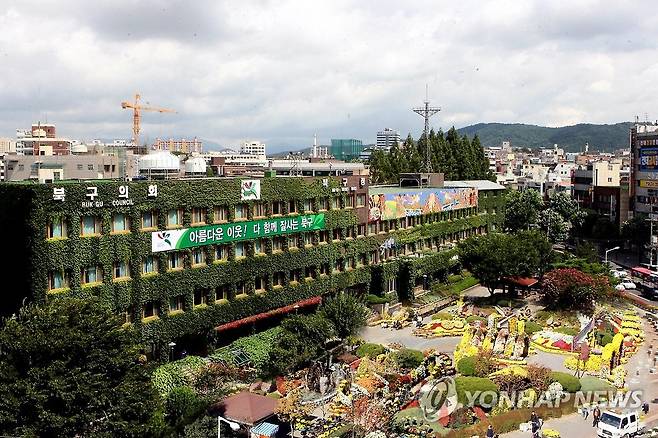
(417, 202)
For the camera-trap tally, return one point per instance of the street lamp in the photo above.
(233, 425)
(172, 344)
(607, 251)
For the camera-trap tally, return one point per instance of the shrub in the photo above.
(408, 358)
(183, 405)
(474, 318)
(590, 383)
(484, 363)
(540, 377)
(374, 299)
(466, 366)
(454, 278)
(370, 350)
(257, 347)
(176, 374)
(567, 331)
(568, 382)
(532, 327)
(346, 312)
(442, 315)
(472, 385)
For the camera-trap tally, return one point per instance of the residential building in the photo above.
(387, 138)
(253, 148)
(180, 258)
(41, 139)
(643, 182)
(50, 168)
(7, 146)
(179, 145)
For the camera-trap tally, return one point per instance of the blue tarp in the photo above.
(266, 429)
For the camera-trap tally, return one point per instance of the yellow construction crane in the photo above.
(137, 108)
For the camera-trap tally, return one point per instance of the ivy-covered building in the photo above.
(183, 257)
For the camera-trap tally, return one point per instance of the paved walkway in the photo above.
(403, 336)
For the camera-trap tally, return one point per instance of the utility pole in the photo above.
(426, 112)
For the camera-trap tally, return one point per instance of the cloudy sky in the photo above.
(280, 71)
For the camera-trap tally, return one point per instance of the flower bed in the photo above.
(552, 342)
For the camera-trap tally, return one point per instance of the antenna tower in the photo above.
(426, 112)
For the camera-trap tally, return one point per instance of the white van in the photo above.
(619, 425)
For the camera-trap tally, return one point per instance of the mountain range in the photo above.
(571, 138)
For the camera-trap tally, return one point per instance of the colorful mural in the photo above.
(417, 202)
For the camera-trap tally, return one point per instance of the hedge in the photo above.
(590, 384)
(532, 327)
(257, 348)
(370, 350)
(569, 383)
(176, 374)
(466, 366)
(408, 358)
(473, 385)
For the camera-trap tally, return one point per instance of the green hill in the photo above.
(572, 138)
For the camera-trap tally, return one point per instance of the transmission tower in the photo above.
(426, 112)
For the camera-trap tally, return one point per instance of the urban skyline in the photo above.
(226, 69)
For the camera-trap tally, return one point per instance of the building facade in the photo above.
(643, 182)
(345, 148)
(49, 168)
(387, 138)
(179, 145)
(184, 257)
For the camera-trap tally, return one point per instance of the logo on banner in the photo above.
(250, 190)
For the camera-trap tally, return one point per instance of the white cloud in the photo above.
(280, 71)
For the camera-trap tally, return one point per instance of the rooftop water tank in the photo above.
(195, 165)
(159, 161)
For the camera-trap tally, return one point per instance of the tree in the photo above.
(68, 368)
(522, 209)
(485, 257)
(554, 225)
(571, 289)
(636, 231)
(291, 409)
(346, 312)
(567, 207)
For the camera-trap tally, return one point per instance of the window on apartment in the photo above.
(361, 200)
(198, 216)
(308, 205)
(293, 242)
(221, 252)
(120, 223)
(200, 297)
(338, 265)
(90, 275)
(149, 310)
(260, 210)
(149, 265)
(277, 243)
(90, 226)
(260, 284)
(175, 218)
(176, 303)
(392, 285)
(149, 220)
(372, 228)
(90, 167)
(277, 207)
(278, 279)
(309, 272)
(335, 202)
(198, 257)
(57, 280)
(336, 234)
(308, 239)
(363, 259)
(324, 236)
(373, 257)
(361, 230)
(292, 207)
(259, 247)
(56, 228)
(351, 263)
(220, 214)
(222, 292)
(79, 166)
(241, 212)
(324, 204)
(175, 260)
(240, 249)
(121, 270)
(349, 231)
(241, 288)
(350, 201)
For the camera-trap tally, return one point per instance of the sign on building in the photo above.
(226, 233)
(649, 183)
(649, 159)
(250, 190)
(417, 202)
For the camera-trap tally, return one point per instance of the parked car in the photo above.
(626, 284)
(616, 424)
(620, 273)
